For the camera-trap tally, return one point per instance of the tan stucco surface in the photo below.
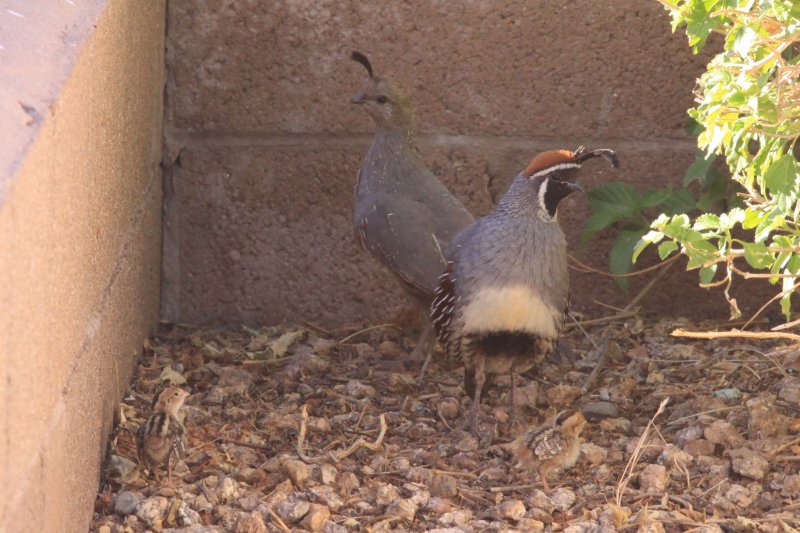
(80, 259)
(258, 207)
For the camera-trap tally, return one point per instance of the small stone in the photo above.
(457, 517)
(104, 529)
(291, 510)
(332, 527)
(468, 443)
(674, 457)
(721, 432)
(346, 482)
(327, 474)
(748, 463)
(696, 447)
(791, 485)
(202, 504)
(250, 523)
(529, 524)
(594, 411)
(653, 478)
(318, 424)
(790, 391)
(682, 436)
(297, 471)
(444, 486)
(595, 454)
(540, 500)
(187, 516)
(510, 510)
(249, 502)
(763, 419)
(391, 349)
(151, 510)
(316, 517)
(358, 390)
(385, 494)
(126, 503)
(739, 496)
(450, 408)
(563, 499)
(249, 475)
(652, 526)
(405, 509)
(563, 395)
(616, 425)
(327, 496)
(227, 490)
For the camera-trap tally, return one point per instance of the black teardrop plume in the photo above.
(609, 155)
(361, 58)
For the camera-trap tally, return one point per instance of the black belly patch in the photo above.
(505, 344)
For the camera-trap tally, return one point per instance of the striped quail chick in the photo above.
(161, 438)
(404, 216)
(502, 300)
(550, 448)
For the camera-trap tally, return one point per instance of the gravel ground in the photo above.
(302, 429)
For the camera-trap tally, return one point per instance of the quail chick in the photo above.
(501, 302)
(161, 438)
(403, 216)
(550, 448)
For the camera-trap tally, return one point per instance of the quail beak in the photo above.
(360, 98)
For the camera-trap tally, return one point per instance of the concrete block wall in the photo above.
(267, 147)
(80, 241)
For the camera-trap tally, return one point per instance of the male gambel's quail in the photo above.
(161, 438)
(404, 216)
(501, 302)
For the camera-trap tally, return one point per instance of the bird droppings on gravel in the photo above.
(284, 430)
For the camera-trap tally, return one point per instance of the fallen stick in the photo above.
(341, 454)
(734, 333)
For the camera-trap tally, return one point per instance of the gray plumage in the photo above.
(403, 216)
(502, 300)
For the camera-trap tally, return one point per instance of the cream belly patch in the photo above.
(514, 308)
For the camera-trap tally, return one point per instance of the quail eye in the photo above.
(381, 99)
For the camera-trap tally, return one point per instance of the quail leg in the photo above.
(543, 476)
(512, 408)
(424, 349)
(480, 379)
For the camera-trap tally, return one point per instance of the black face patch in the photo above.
(556, 190)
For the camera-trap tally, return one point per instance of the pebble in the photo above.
(444, 486)
(563, 395)
(126, 502)
(721, 432)
(739, 496)
(326, 496)
(791, 485)
(695, 447)
(358, 390)
(455, 518)
(616, 425)
(385, 494)
(187, 516)
(595, 454)
(763, 419)
(151, 510)
(653, 478)
(297, 471)
(526, 395)
(227, 490)
(468, 443)
(790, 391)
(530, 524)
(682, 436)
(594, 411)
(347, 481)
(405, 509)
(510, 510)
(563, 499)
(291, 510)
(250, 523)
(439, 506)
(748, 463)
(327, 474)
(651, 527)
(104, 529)
(539, 500)
(674, 457)
(316, 517)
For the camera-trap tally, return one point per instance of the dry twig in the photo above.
(341, 454)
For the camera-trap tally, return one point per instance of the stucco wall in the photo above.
(267, 146)
(79, 243)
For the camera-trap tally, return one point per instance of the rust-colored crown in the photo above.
(548, 159)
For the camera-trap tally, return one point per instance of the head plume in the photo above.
(361, 58)
(565, 159)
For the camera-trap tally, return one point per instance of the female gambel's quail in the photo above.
(503, 297)
(161, 437)
(551, 448)
(403, 214)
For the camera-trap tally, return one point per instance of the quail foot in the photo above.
(550, 448)
(502, 299)
(404, 216)
(161, 438)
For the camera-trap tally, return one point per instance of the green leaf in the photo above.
(621, 257)
(707, 221)
(757, 255)
(707, 273)
(699, 168)
(680, 201)
(666, 248)
(651, 237)
(782, 175)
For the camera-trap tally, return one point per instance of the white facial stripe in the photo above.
(560, 166)
(543, 214)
